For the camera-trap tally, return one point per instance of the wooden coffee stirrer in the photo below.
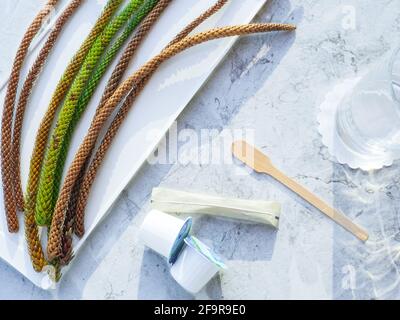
(258, 161)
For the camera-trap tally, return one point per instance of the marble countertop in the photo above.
(272, 86)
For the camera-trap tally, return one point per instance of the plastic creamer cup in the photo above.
(195, 266)
(165, 233)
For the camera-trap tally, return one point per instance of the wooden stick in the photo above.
(258, 161)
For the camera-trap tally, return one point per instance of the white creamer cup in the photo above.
(165, 233)
(195, 266)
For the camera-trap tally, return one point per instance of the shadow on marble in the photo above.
(234, 240)
(89, 257)
(229, 239)
(15, 286)
(156, 281)
(108, 233)
(236, 79)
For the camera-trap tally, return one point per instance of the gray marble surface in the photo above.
(271, 84)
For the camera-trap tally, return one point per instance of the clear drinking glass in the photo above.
(368, 119)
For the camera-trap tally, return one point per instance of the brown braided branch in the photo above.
(57, 98)
(31, 230)
(50, 176)
(7, 164)
(34, 246)
(59, 95)
(90, 175)
(54, 246)
(79, 204)
(26, 91)
(199, 20)
(112, 84)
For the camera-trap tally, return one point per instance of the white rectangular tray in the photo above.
(164, 98)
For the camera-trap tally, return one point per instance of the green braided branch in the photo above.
(48, 186)
(94, 80)
(110, 55)
(58, 96)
